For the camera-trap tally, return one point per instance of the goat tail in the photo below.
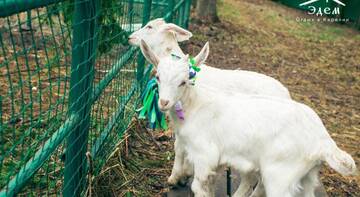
(340, 160)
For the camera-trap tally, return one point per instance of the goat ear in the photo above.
(180, 33)
(159, 21)
(148, 53)
(202, 56)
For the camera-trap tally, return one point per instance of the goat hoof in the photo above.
(183, 182)
(173, 186)
(172, 181)
(177, 183)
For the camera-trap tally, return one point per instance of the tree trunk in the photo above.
(206, 11)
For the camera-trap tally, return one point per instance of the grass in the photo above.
(318, 62)
(137, 167)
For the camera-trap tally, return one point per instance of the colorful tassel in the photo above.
(150, 98)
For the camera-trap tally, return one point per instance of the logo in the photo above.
(320, 11)
(327, 1)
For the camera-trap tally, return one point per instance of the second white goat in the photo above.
(163, 39)
(282, 139)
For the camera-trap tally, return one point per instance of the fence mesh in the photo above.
(69, 87)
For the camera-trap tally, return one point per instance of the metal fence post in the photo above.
(228, 182)
(140, 58)
(28, 21)
(170, 9)
(187, 13)
(81, 80)
(180, 15)
(131, 14)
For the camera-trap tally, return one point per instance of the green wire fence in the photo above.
(69, 87)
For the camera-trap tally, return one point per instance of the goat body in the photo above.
(163, 39)
(241, 81)
(282, 139)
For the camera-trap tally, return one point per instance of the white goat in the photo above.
(163, 39)
(282, 139)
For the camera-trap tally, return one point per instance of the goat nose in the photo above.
(164, 103)
(132, 38)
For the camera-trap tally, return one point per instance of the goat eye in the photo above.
(149, 27)
(182, 83)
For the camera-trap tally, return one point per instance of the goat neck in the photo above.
(167, 47)
(191, 100)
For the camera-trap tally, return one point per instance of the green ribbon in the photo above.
(150, 109)
(192, 63)
(150, 98)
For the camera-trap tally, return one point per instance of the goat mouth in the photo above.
(164, 109)
(133, 41)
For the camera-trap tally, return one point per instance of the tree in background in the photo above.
(109, 21)
(206, 11)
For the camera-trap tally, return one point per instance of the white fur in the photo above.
(163, 39)
(282, 139)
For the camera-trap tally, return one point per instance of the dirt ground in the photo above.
(318, 62)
